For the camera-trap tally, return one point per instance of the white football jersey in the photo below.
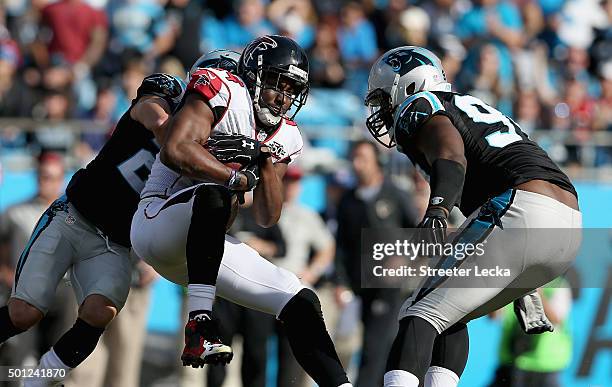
(232, 107)
(285, 142)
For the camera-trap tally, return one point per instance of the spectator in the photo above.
(602, 120)
(375, 203)
(310, 251)
(358, 47)
(16, 100)
(443, 15)
(186, 19)
(601, 49)
(386, 22)
(536, 360)
(415, 25)
(248, 22)
(528, 112)
(141, 26)
(134, 71)
(294, 18)
(54, 135)
(485, 81)
(101, 116)
(326, 68)
(16, 226)
(76, 31)
(495, 21)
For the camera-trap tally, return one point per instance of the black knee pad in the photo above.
(301, 306)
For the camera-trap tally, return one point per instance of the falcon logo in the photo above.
(264, 43)
(248, 144)
(202, 80)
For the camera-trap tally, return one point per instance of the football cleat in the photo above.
(203, 344)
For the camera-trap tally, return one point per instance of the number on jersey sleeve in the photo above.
(480, 112)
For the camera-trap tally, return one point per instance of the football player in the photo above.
(480, 160)
(178, 234)
(86, 231)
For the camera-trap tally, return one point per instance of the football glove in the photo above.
(530, 314)
(433, 226)
(234, 148)
(252, 176)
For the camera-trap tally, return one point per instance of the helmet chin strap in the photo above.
(265, 116)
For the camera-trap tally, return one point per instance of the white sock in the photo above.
(346, 385)
(440, 377)
(54, 366)
(400, 378)
(200, 297)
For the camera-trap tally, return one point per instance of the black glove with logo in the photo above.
(234, 148)
(433, 226)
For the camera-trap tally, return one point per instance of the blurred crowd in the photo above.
(546, 63)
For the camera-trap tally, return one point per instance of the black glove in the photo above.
(252, 177)
(234, 148)
(433, 226)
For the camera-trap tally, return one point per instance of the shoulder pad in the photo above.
(168, 87)
(415, 110)
(206, 82)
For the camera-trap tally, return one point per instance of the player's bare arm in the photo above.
(268, 195)
(183, 149)
(153, 112)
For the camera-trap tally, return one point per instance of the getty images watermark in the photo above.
(412, 250)
(483, 257)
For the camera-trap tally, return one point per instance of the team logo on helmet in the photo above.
(404, 61)
(263, 43)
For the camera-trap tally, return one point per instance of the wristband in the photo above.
(234, 180)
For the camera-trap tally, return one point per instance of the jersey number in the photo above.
(137, 168)
(479, 111)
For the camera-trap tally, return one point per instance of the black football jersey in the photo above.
(499, 155)
(106, 192)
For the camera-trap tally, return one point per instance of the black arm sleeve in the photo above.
(446, 181)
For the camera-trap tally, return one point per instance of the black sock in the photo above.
(310, 342)
(194, 313)
(412, 348)
(206, 236)
(451, 349)
(7, 329)
(78, 343)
